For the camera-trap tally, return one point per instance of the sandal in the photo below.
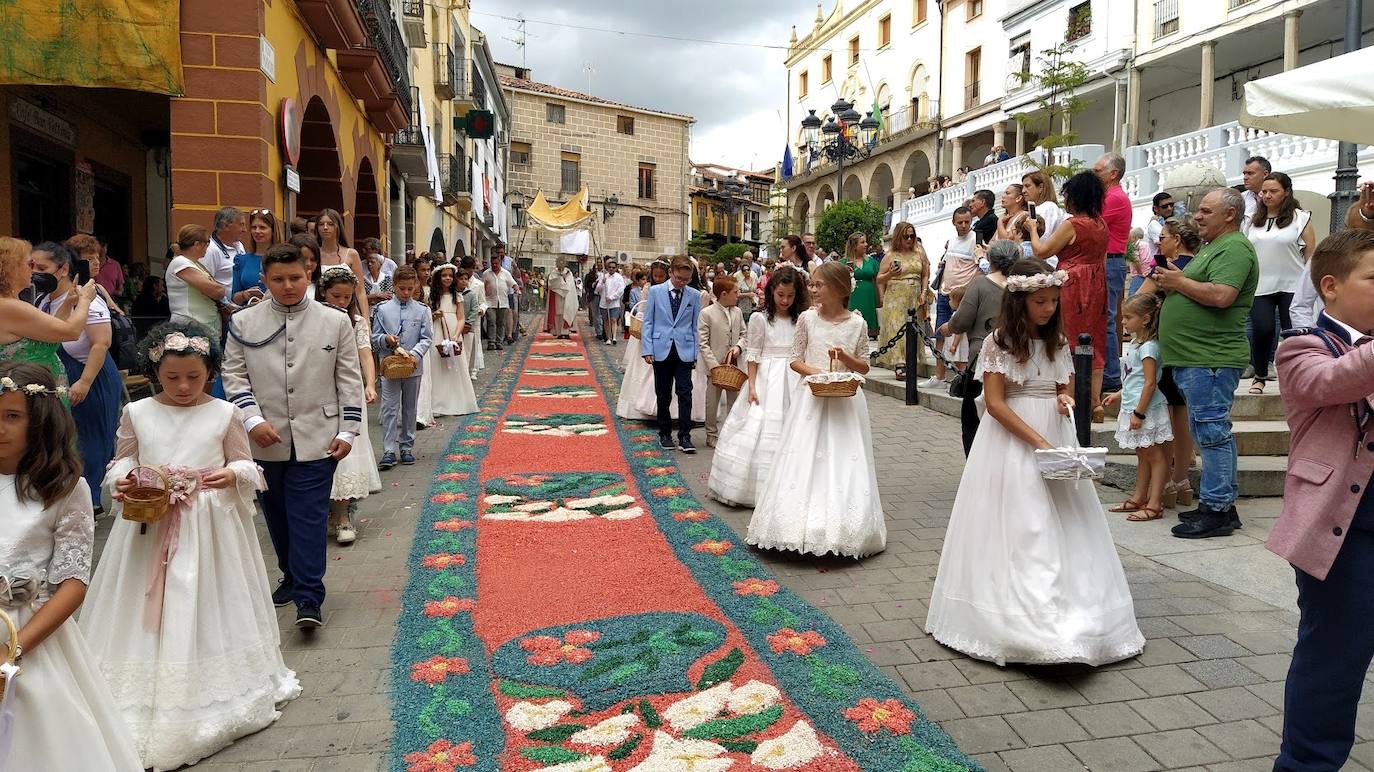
(1099, 414)
(1129, 505)
(1257, 386)
(1185, 493)
(1170, 498)
(1150, 513)
(900, 372)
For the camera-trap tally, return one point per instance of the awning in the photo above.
(1332, 99)
(93, 43)
(575, 213)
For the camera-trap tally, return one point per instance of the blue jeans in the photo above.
(943, 311)
(1335, 646)
(1116, 284)
(1209, 393)
(1134, 286)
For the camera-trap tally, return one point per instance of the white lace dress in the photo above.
(64, 715)
(1029, 572)
(750, 437)
(356, 476)
(192, 652)
(424, 401)
(822, 493)
(448, 376)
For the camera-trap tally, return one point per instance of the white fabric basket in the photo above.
(1072, 462)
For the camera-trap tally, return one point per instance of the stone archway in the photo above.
(916, 172)
(320, 168)
(853, 188)
(881, 184)
(801, 212)
(824, 198)
(436, 242)
(367, 216)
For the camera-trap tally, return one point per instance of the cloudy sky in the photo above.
(735, 92)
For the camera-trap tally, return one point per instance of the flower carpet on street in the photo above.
(572, 608)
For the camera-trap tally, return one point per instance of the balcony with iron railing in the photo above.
(409, 151)
(453, 179)
(973, 95)
(377, 69)
(479, 89)
(413, 17)
(447, 81)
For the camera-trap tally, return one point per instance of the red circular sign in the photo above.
(290, 130)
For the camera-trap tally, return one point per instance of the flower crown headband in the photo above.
(334, 269)
(31, 389)
(1036, 281)
(179, 343)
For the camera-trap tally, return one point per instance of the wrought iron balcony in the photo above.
(409, 152)
(447, 74)
(479, 89)
(385, 37)
(453, 179)
(413, 16)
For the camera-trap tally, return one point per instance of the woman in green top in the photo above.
(41, 334)
(865, 298)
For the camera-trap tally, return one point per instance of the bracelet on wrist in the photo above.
(1138, 414)
(1364, 216)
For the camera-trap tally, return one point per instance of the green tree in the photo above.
(729, 253)
(701, 245)
(781, 223)
(1057, 82)
(846, 217)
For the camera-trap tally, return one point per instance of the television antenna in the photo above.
(521, 38)
(589, 68)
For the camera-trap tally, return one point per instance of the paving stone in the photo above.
(1106, 686)
(1242, 739)
(1273, 667)
(982, 734)
(1118, 754)
(1180, 747)
(1110, 720)
(931, 675)
(1038, 695)
(1039, 759)
(937, 705)
(1164, 679)
(1257, 765)
(1211, 646)
(1221, 673)
(1234, 704)
(1164, 652)
(1047, 727)
(1173, 712)
(985, 700)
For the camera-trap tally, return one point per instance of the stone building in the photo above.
(631, 160)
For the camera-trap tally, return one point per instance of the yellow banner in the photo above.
(133, 44)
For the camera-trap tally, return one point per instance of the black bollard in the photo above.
(913, 356)
(1083, 387)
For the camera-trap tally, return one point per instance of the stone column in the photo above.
(957, 147)
(1209, 77)
(999, 134)
(1290, 40)
(1133, 108)
(1020, 139)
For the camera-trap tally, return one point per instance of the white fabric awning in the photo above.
(1332, 99)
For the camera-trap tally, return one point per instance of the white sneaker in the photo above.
(930, 383)
(346, 533)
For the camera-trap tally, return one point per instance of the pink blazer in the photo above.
(1325, 477)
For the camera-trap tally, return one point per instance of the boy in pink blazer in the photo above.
(1327, 527)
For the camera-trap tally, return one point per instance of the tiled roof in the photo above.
(544, 88)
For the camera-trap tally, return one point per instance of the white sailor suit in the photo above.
(296, 367)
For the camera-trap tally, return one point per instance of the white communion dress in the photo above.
(356, 476)
(1029, 572)
(190, 647)
(822, 493)
(64, 714)
(424, 401)
(448, 376)
(750, 437)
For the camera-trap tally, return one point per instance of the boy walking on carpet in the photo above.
(401, 325)
(669, 334)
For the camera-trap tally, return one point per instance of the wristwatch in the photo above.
(18, 652)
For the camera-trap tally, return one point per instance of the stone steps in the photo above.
(1261, 434)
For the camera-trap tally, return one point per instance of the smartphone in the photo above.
(81, 271)
(1030, 210)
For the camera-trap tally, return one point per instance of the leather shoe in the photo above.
(1193, 514)
(1206, 526)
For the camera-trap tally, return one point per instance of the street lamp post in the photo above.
(851, 137)
(1347, 158)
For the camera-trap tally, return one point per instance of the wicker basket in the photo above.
(145, 503)
(845, 388)
(13, 632)
(637, 320)
(727, 376)
(398, 367)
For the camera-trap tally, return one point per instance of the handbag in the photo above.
(1071, 462)
(960, 386)
(939, 277)
(444, 351)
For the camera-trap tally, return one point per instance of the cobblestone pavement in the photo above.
(1205, 694)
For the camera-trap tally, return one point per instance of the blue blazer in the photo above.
(662, 330)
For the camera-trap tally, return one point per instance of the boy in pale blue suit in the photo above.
(401, 324)
(669, 336)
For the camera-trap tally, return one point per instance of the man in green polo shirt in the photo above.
(1204, 349)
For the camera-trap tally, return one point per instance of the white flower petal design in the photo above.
(534, 506)
(612, 731)
(494, 499)
(608, 501)
(753, 697)
(529, 716)
(793, 748)
(624, 514)
(699, 708)
(670, 755)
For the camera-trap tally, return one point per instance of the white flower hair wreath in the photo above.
(1037, 281)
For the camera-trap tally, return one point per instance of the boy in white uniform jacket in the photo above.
(721, 330)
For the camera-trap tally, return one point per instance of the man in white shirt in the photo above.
(610, 290)
(225, 245)
(1161, 209)
(495, 289)
(509, 289)
(1253, 174)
